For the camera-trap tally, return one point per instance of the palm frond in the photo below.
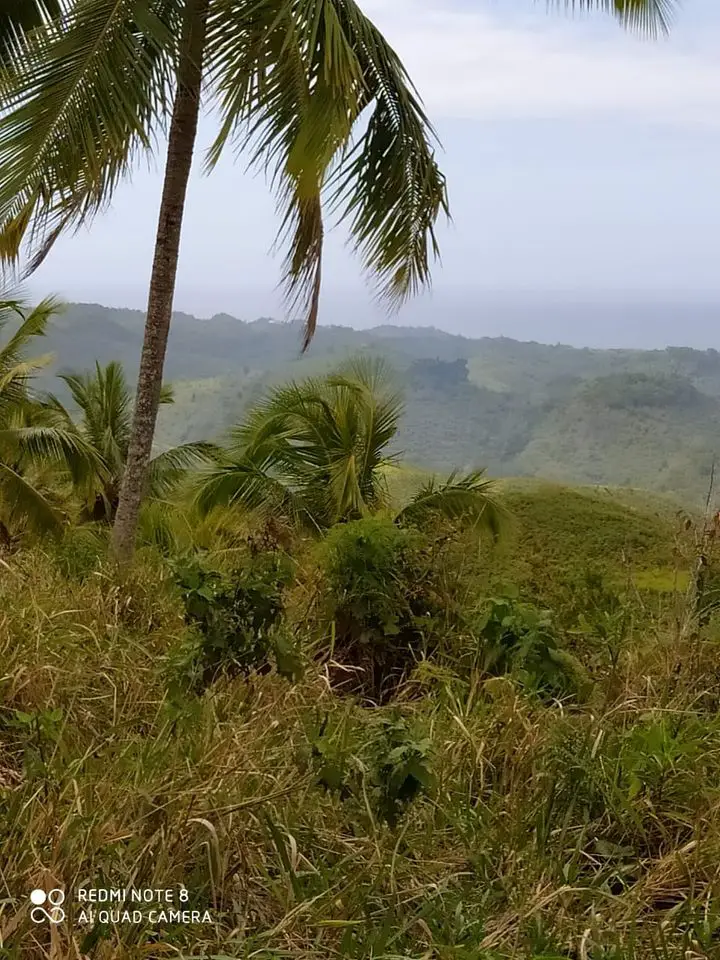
(249, 486)
(292, 78)
(167, 469)
(468, 499)
(83, 92)
(104, 401)
(25, 503)
(20, 17)
(33, 323)
(649, 17)
(389, 184)
(167, 393)
(52, 444)
(14, 382)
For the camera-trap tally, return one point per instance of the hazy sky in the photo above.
(581, 161)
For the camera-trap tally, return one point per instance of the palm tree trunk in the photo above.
(181, 144)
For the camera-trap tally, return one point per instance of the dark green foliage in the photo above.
(660, 758)
(366, 569)
(629, 391)
(438, 374)
(400, 767)
(236, 616)
(388, 760)
(518, 638)
(376, 584)
(36, 738)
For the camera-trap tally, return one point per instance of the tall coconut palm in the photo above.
(104, 400)
(317, 452)
(32, 442)
(87, 90)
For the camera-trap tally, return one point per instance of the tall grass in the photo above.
(536, 828)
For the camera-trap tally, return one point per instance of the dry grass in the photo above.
(550, 831)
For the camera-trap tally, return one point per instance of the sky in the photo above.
(582, 163)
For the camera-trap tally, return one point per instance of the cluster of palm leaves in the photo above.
(53, 464)
(103, 400)
(34, 446)
(317, 452)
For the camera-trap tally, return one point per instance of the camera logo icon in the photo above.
(54, 899)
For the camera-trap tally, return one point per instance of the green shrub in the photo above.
(521, 639)
(385, 762)
(237, 618)
(400, 769)
(376, 585)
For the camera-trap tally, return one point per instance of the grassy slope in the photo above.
(547, 833)
(615, 531)
(560, 531)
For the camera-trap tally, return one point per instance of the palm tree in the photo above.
(88, 89)
(32, 442)
(316, 453)
(104, 400)
(312, 451)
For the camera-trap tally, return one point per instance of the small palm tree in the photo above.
(312, 451)
(104, 400)
(35, 449)
(316, 452)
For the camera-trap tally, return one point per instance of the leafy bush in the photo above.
(386, 763)
(518, 638)
(236, 618)
(400, 769)
(376, 587)
(601, 616)
(396, 597)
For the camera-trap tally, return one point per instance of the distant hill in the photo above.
(626, 417)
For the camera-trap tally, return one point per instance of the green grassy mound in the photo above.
(559, 532)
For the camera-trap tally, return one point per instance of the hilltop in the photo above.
(647, 419)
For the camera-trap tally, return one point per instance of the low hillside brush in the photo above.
(376, 585)
(237, 618)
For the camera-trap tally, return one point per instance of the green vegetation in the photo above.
(37, 449)
(103, 400)
(85, 85)
(354, 710)
(537, 780)
(320, 713)
(316, 454)
(644, 419)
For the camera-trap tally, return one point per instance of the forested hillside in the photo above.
(640, 418)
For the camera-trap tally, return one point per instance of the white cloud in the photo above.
(481, 65)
